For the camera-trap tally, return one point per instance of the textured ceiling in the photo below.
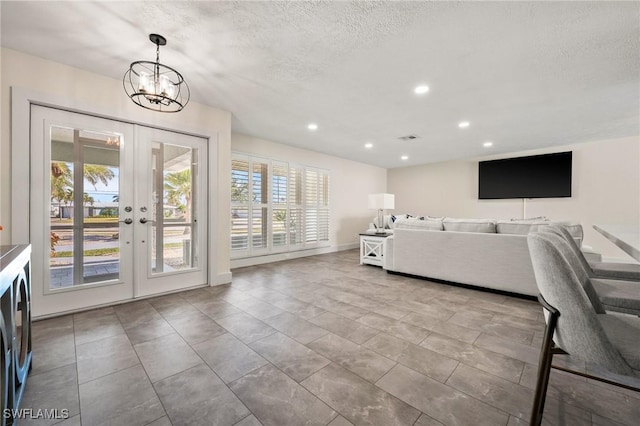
(525, 74)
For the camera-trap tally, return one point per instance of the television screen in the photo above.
(537, 176)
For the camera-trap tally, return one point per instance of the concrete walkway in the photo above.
(62, 276)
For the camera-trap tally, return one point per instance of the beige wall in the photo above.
(350, 183)
(105, 96)
(606, 190)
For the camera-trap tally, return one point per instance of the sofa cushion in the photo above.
(469, 225)
(417, 223)
(519, 227)
(524, 226)
(575, 229)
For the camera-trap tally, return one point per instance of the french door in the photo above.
(118, 210)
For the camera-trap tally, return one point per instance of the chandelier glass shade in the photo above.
(155, 86)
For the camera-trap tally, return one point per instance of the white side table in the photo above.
(372, 248)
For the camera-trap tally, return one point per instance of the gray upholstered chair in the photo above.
(607, 270)
(615, 295)
(575, 325)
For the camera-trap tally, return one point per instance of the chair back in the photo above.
(582, 276)
(578, 330)
(562, 231)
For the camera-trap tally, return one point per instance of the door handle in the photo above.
(127, 221)
(143, 220)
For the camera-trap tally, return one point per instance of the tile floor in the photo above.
(313, 341)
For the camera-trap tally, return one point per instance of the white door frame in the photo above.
(21, 101)
(146, 282)
(77, 296)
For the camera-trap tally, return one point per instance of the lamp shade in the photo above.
(382, 201)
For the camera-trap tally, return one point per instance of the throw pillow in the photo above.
(417, 223)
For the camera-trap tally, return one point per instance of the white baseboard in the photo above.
(223, 278)
(260, 260)
(349, 246)
(118, 302)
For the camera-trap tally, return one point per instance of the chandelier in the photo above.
(154, 86)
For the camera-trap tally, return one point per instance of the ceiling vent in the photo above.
(408, 137)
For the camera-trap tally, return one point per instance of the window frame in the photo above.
(322, 228)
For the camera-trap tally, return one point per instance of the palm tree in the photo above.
(61, 181)
(177, 186)
(87, 199)
(94, 173)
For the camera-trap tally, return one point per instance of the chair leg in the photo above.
(544, 369)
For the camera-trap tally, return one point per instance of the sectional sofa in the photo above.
(478, 252)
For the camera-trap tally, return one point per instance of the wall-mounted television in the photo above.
(536, 176)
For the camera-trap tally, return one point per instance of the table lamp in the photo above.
(381, 202)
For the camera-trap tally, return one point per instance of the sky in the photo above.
(104, 193)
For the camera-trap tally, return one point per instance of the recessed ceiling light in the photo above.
(404, 157)
(463, 124)
(487, 144)
(312, 126)
(421, 90)
(368, 145)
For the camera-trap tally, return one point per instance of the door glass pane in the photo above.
(279, 183)
(260, 198)
(323, 225)
(83, 209)
(60, 208)
(279, 221)
(239, 228)
(323, 213)
(100, 201)
(279, 191)
(239, 205)
(296, 233)
(260, 182)
(239, 181)
(176, 249)
(311, 201)
(296, 219)
(323, 189)
(172, 218)
(259, 227)
(310, 225)
(295, 186)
